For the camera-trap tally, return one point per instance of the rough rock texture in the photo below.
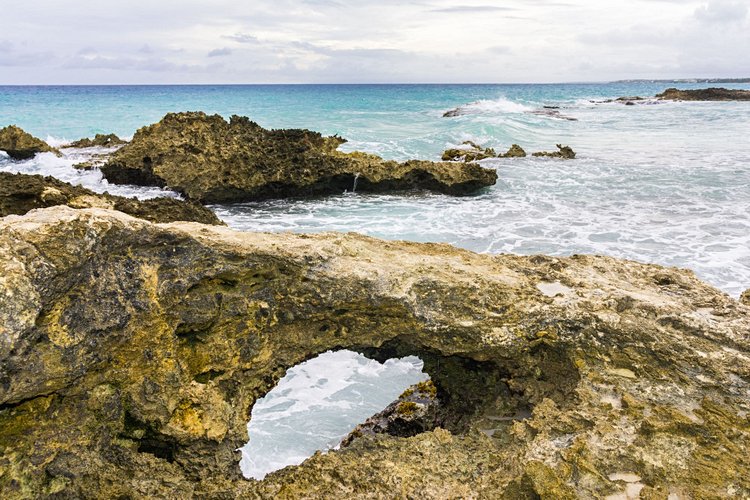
(709, 94)
(469, 152)
(21, 145)
(100, 140)
(131, 355)
(745, 297)
(564, 152)
(515, 151)
(415, 411)
(20, 193)
(211, 160)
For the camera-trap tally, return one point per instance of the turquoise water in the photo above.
(667, 183)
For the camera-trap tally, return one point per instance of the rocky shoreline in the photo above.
(132, 354)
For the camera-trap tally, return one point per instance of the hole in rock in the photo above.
(318, 403)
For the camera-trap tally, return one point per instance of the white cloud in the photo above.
(270, 41)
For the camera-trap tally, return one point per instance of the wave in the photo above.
(490, 107)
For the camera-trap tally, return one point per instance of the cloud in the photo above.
(722, 12)
(473, 9)
(225, 51)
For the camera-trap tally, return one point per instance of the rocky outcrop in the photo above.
(515, 151)
(563, 152)
(745, 297)
(100, 140)
(131, 355)
(20, 193)
(211, 160)
(21, 145)
(468, 152)
(709, 94)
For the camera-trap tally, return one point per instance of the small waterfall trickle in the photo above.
(354, 186)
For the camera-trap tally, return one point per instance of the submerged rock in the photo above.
(21, 145)
(101, 140)
(131, 355)
(709, 94)
(564, 152)
(515, 151)
(470, 152)
(211, 160)
(20, 193)
(551, 112)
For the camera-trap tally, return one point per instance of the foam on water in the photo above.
(318, 403)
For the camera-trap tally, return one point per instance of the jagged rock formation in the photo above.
(131, 355)
(564, 152)
(20, 193)
(709, 94)
(21, 145)
(470, 152)
(100, 140)
(745, 297)
(211, 160)
(515, 151)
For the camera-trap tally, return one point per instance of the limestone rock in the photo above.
(100, 140)
(21, 145)
(515, 151)
(469, 152)
(564, 152)
(745, 297)
(211, 160)
(709, 94)
(20, 193)
(131, 355)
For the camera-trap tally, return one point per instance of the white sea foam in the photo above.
(318, 403)
(500, 105)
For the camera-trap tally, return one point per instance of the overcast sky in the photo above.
(361, 41)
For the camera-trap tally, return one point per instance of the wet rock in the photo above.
(564, 152)
(20, 193)
(415, 411)
(515, 151)
(709, 94)
(454, 113)
(552, 113)
(132, 354)
(469, 152)
(100, 140)
(21, 145)
(211, 160)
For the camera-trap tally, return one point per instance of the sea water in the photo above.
(666, 183)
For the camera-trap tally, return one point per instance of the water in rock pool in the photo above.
(667, 183)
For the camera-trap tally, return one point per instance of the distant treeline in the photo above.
(689, 80)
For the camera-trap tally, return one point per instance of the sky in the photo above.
(370, 41)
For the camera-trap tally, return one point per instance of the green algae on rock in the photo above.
(131, 355)
(211, 160)
(21, 145)
(100, 140)
(20, 193)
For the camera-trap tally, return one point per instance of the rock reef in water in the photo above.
(469, 152)
(214, 161)
(131, 355)
(709, 94)
(552, 112)
(515, 151)
(21, 145)
(563, 152)
(20, 193)
(100, 140)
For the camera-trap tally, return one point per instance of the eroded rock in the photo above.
(21, 145)
(100, 140)
(20, 193)
(468, 152)
(709, 94)
(564, 152)
(745, 297)
(515, 151)
(211, 160)
(131, 355)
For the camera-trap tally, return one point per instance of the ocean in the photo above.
(666, 183)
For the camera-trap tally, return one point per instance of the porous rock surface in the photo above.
(131, 355)
(20, 145)
(709, 94)
(99, 140)
(211, 160)
(20, 193)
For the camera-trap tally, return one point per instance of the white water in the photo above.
(318, 403)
